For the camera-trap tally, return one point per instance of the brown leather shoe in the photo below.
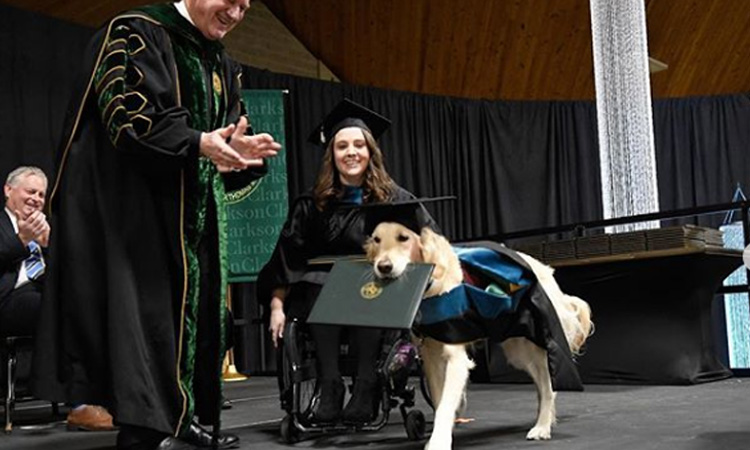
(90, 418)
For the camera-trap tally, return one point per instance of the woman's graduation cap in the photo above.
(348, 114)
(409, 213)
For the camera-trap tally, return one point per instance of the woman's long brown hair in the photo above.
(376, 187)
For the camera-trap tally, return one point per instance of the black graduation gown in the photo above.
(309, 233)
(137, 244)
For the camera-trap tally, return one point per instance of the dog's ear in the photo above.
(437, 250)
(370, 248)
(428, 243)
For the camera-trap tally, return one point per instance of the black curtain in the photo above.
(512, 165)
(522, 165)
(40, 60)
(702, 151)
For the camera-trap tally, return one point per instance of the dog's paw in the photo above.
(539, 434)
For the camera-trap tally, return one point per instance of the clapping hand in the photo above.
(241, 151)
(33, 228)
(214, 146)
(255, 147)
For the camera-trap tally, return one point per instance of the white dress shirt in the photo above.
(182, 9)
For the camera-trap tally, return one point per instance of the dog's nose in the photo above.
(385, 267)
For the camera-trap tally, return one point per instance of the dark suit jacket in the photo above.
(12, 254)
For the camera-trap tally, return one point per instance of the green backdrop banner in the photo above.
(256, 214)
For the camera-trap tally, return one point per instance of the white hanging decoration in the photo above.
(624, 114)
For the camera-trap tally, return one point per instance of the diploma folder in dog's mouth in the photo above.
(354, 296)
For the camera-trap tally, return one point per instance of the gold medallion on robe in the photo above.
(217, 83)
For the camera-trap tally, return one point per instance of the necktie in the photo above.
(34, 263)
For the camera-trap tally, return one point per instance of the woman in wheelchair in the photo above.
(323, 222)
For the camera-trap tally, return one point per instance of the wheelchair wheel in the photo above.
(415, 425)
(297, 376)
(289, 432)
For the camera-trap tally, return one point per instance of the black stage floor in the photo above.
(707, 416)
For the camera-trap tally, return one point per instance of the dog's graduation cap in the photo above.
(410, 213)
(348, 114)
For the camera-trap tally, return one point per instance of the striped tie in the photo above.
(34, 263)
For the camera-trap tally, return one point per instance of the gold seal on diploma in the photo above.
(370, 290)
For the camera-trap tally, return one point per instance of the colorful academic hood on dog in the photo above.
(500, 298)
(493, 286)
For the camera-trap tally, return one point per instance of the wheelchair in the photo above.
(297, 378)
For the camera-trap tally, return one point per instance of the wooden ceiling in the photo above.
(493, 49)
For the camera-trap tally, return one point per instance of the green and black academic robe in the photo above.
(135, 295)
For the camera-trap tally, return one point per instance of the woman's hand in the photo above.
(278, 320)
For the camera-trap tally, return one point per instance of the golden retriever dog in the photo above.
(392, 246)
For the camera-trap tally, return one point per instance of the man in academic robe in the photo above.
(134, 308)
